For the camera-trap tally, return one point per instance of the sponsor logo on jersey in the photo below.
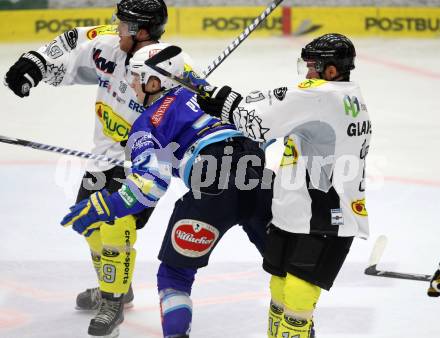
(359, 128)
(157, 116)
(192, 104)
(358, 207)
(53, 50)
(311, 83)
(102, 30)
(192, 238)
(290, 155)
(114, 126)
(351, 106)
(280, 93)
(127, 196)
(101, 63)
(133, 105)
(71, 38)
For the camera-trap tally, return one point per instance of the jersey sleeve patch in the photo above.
(102, 30)
(311, 83)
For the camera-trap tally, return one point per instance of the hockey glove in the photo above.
(26, 73)
(434, 286)
(86, 216)
(219, 102)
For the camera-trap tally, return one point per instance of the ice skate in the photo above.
(110, 315)
(90, 299)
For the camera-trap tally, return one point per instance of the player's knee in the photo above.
(119, 234)
(300, 297)
(176, 310)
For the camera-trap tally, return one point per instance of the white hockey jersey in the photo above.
(91, 55)
(320, 185)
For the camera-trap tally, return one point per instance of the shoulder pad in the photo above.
(311, 83)
(102, 30)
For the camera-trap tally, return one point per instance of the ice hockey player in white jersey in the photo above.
(98, 56)
(319, 192)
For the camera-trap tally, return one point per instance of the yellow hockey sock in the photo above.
(118, 255)
(276, 305)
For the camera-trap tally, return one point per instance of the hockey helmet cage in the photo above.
(149, 14)
(330, 49)
(137, 66)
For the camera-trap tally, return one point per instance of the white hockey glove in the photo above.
(219, 102)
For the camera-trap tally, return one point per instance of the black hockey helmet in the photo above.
(149, 14)
(330, 49)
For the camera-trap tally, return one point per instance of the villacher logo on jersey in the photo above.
(192, 238)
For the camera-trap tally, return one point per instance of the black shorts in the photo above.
(198, 224)
(111, 180)
(316, 259)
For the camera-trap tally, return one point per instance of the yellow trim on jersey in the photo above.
(311, 83)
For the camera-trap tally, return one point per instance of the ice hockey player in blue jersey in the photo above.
(223, 170)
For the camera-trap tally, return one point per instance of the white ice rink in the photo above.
(43, 265)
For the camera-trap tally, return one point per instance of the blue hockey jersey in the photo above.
(165, 141)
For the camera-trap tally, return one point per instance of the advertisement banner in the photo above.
(225, 21)
(367, 21)
(209, 22)
(43, 25)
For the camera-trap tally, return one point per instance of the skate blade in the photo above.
(114, 334)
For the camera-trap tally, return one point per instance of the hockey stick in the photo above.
(64, 151)
(235, 43)
(376, 254)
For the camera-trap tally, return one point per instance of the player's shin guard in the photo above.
(300, 298)
(276, 305)
(174, 285)
(95, 245)
(118, 255)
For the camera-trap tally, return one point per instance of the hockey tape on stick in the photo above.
(64, 151)
(235, 43)
(376, 255)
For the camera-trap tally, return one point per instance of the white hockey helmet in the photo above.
(137, 66)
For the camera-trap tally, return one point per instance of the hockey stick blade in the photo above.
(165, 54)
(376, 255)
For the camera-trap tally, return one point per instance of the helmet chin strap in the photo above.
(148, 94)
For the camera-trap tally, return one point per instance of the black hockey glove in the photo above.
(26, 73)
(219, 102)
(434, 285)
